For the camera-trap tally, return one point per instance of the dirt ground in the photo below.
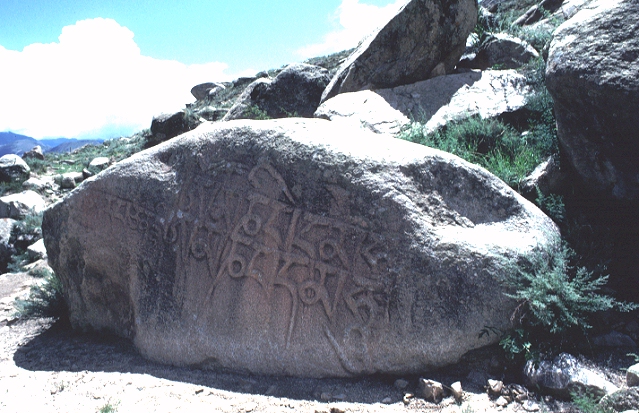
(45, 366)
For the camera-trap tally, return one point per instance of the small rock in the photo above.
(622, 400)
(13, 169)
(401, 384)
(35, 153)
(430, 390)
(98, 164)
(632, 376)
(335, 409)
(408, 397)
(37, 251)
(17, 206)
(387, 400)
(501, 401)
(530, 406)
(495, 387)
(36, 184)
(457, 391)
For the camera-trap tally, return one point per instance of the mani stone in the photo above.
(293, 247)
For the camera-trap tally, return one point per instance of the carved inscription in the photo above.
(245, 225)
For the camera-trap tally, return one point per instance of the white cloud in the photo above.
(92, 82)
(356, 21)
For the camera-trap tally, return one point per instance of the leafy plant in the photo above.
(45, 300)
(487, 142)
(552, 205)
(588, 403)
(254, 112)
(18, 261)
(108, 408)
(557, 296)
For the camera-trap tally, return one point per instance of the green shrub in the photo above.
(487, 142)
(7, 188)
(552, 205)
(555, 295)
(18, 261)
(254, 112)
(38, 166)
(588, 403)
(44, 300)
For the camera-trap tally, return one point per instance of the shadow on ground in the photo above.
(59, 348)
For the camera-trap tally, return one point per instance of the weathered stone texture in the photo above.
(293, 247)
(434, 102)
(593, 76)
(425, 38)
(296, 91)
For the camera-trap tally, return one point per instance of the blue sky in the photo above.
(103, 69)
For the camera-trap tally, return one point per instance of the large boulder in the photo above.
(296, 91)
(13, 169)
(435, 102)
(204, 90)
(593, 76)
(168, 126)
(293, 247)
(18, 206)
(424, 39)
(503, 51)
(34, 153)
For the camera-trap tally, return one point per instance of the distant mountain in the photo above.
(18, 144)
(71, 144)
(13, 143)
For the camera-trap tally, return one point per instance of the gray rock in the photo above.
(13, 169)
(426, 37)
(457, 391)
(7, 250)
(503, 51)
(69, 180)
(593, 76)
(565, 375)
(38, 184)
(296, 91)
(538, 12)
(37, 251)
(211, 113)
(632, 376)
(547, 177)
(204, 90)
(293, 247)
(614, 339)
(34, 153)
(430, 390)
(570, 7)
(435, 101)
(168, 126)
(622, 400)
(19, 205)
(491, 5)
(98, 164)
(365, 109)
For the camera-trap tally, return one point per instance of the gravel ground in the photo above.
(45, 366)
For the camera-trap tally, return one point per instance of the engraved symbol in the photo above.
(236, 267)
(251, 224)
